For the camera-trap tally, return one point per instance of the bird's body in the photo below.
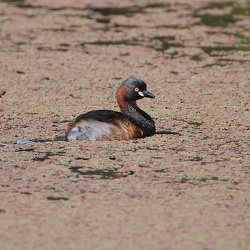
(130, 123)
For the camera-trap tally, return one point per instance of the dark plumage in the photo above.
(130, 123)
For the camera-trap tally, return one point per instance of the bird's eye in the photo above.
(136, 89)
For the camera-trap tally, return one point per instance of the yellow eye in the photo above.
(139, 92)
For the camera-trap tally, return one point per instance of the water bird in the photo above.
(132, 122)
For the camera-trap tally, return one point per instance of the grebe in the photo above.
(130, 123)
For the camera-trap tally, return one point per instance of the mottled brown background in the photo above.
(62, 58)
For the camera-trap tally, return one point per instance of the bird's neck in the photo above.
(142, 119)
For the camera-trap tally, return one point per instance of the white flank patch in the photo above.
(90, 129)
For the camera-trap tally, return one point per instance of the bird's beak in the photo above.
(145, 93)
